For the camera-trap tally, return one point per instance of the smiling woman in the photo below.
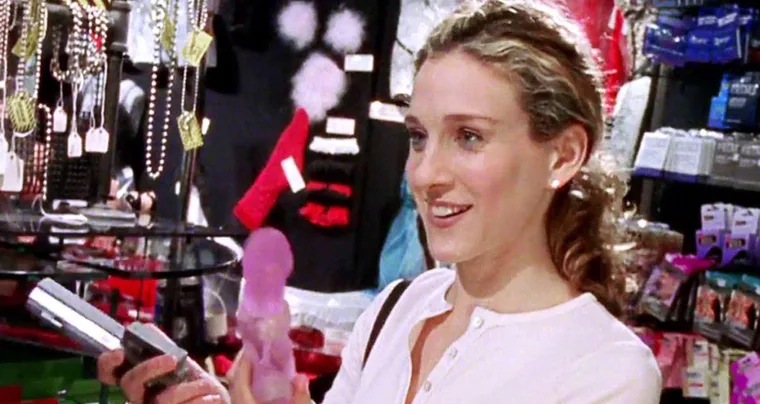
(504, 122)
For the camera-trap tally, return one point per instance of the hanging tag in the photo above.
(74, 148)
(189, 131)
(205, 124)
(96, 141)
(168, 35)
(196, 47)
(60, 120)
(3, 154)
(13, 180)
(21, 112)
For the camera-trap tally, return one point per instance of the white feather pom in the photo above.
(318, 86)
(345, 31)
(297, 23)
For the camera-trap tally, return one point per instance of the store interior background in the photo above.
(246, 95)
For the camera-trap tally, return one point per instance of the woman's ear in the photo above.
(569, 150)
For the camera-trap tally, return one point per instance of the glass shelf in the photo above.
(198, 257)
(16, 221)
(19, 265)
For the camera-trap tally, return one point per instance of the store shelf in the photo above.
(19, 265)
(709, 181)
(24, 221)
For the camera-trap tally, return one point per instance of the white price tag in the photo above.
(205, 125)
(74, 148)
(295, 180)
(386, 112)
(60, 119)
(340, 126)
(359, 63)
(13, 180)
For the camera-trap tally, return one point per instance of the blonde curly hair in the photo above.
(548, 59)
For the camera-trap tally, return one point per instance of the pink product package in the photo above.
(672, 359)
(689, 264)
(746, 375)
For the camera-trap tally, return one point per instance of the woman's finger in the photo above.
(107, 364)
(212, 399)
(301, 393)
(240, 382)
(133, 382)
(184, 392)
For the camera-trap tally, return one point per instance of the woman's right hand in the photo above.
(199, 388)
(240, 385)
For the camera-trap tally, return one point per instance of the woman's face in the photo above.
(480, 182)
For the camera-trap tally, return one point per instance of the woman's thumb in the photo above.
(301, 393)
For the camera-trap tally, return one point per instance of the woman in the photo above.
(505, 115)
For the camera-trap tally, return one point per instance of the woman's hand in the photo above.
(200, 388)
(240, 385)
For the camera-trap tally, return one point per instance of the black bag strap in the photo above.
(382, 315)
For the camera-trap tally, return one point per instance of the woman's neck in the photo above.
(520, 280)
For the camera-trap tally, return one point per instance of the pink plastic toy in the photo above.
(264, 316)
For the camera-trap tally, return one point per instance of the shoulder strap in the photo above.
(382, 315)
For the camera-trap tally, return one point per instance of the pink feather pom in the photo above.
(297, 23)
(318, 86)
(345, 31)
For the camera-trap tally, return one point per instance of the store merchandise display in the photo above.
(708, 34)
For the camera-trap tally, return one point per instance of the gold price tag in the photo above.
(25, 48)
(168, 34)
(197, 46)
(189, 131)
(21, 112)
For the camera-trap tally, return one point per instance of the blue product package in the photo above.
(665, 39)
(728, 16)
(726, 45)
(741, 108)
(717, 113)
(708, 17)
(699, 45)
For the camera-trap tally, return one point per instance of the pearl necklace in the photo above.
(48, 143)
(158, 15)
(5, 10)
(199, 15)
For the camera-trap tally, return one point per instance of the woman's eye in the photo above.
(417, 139)
(469, 139)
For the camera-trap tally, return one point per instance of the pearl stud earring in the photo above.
(554, 184)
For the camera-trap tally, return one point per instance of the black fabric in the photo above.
(329, 197)
(382, 316)
(225, 76)
(245, 128)
(331, 170)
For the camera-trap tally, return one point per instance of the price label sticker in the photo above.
(340, 126)
(293, 175)
(386, 112)
(197, 46)
(359, 63)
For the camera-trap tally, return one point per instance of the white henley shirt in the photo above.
(573, 353)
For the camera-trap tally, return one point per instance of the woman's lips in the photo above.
(446, 215)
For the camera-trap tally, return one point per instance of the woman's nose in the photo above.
(429, 168)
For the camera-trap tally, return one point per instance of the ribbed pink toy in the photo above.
(264, 316)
